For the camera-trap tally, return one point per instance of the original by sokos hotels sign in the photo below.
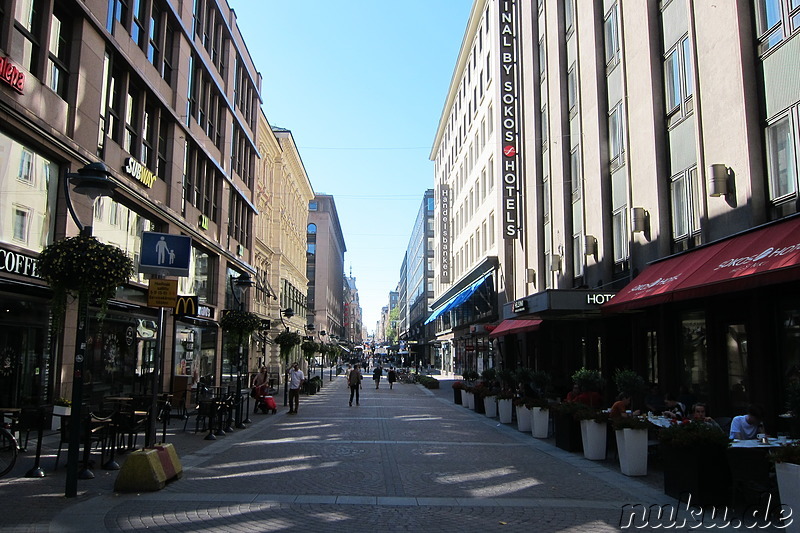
(510, 117)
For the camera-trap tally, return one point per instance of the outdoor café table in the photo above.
(659, 421)
(750, 469)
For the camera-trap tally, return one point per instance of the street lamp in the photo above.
(242, 282)
(288, 313)
(91, 181)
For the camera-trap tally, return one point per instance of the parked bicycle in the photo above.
(9, 448)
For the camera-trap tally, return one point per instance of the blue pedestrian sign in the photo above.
(165, 254)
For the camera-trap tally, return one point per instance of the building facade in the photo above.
(167, 97)
(419, 282)
(325, 267)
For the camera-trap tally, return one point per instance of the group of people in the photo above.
(743, 427)
(354, 379)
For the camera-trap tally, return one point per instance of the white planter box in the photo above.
(490, 406)
(632, 451)
(540, 422)
(505, 410)
(789, 488)
(593, 435)
(523, 418)
(61, 410)
(471, 401)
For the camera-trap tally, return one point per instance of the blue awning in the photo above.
(458, 299)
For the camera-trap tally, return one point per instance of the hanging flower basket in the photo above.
(309, 348)
(287, 340)
(83, 266)
(241, 322)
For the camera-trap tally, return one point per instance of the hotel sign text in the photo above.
(510, 117)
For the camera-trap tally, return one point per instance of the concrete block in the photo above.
(141, 472)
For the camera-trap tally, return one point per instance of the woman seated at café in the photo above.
(746, 427)
(673, 408)
(700, 414)
(620, 408)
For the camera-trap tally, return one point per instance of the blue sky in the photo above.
(361, 85)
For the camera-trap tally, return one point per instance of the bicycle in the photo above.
(9, 448)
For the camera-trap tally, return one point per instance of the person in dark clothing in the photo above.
(354, 381)
(391, 376)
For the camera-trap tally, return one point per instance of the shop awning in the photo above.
(763, 256)
(458, 299)
(515, 325)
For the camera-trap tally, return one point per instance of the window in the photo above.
(615, 137)
(311, 229)
(685, 205)
(21, 223)
(569, 16)
(26, 45)
(620, 232)
(575, 173)
(546, 200)
(678, 81)
(545, 127)
(58, 54)
(542, 59)
(769, 23)
(313, 205)
(132, 122)
(26, 166)
(577, 255)
(611, 37)
(572, 88)
(139, 12)
(781, 163)
(311, 248)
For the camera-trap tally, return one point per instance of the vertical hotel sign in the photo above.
(444, 233)
(510, 116)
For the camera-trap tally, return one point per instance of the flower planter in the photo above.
(59, 411)
(593, 437)
(505, 409)
(540, 422)
(701, 471)
(457, 396)
(789, 487)
(568, 432)
(470, 400)
(480, 405)
(523, 418)
(632, 451)
(490, 406)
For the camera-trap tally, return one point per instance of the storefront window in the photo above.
(196, 283)
(116, 224)
(25, 364)
(694, 354)
(29, 184)
(194, 354)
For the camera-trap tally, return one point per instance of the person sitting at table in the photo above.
(673, 408)
(620, 408)
(654, 401)
(700, 414)
(747, 427)
(572, 396)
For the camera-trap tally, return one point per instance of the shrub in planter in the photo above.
(458, 386)
(567, 426)
(428, 382)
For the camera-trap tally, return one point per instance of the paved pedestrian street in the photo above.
(407, 459)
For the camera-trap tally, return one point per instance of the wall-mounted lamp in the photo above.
(639, 219)
(555, 263)
(530, 275)
(718, 180)
(589, 245)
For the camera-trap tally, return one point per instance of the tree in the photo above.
(391, 327)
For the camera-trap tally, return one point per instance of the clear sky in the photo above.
(361, 85)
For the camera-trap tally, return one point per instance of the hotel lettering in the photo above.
(510, 117)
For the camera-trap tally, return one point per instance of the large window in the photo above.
(775, 20)
(572, 89)
(611, 37)
(781, 162)
(684, 192)
(620, 233)
(615, 136)
(116, 224)
(678, 80)
(58, 54)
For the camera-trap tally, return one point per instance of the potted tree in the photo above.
(787, 470)
(523, 414)
(567, 426)
(693, 456)
(505, 406)
(591, 383)
(540, 417)
(631, 433)
(458, 386)
(630, 383)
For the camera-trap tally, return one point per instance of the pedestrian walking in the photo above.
(258, 380)
(354, 381)
(296, 380)
(376, 376)
(391, 376)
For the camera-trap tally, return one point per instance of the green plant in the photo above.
(506, 378)
(541, 381)
(489, 375)
(693, 433)
(571, 409)
(787, 453)
(629, 382)
(241, 322)
(631, 422)
(85, 267)
(505, 394)
(287, 340)
(470, 375)
(428, 382)
(589, 380)
(309, 348)
(596, 415)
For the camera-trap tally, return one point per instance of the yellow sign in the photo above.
(162, 293)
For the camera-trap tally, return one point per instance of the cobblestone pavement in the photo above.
(406, 459)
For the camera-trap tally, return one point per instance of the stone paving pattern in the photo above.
(406, 459)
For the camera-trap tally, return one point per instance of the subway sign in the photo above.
(139, 172)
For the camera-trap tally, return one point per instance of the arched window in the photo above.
(312, 229)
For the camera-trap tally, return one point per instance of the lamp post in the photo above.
(91, 181)
(242, 283)
(322, 358)
(288, 313)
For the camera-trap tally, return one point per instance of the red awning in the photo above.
(764, 256)
(514, 325)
